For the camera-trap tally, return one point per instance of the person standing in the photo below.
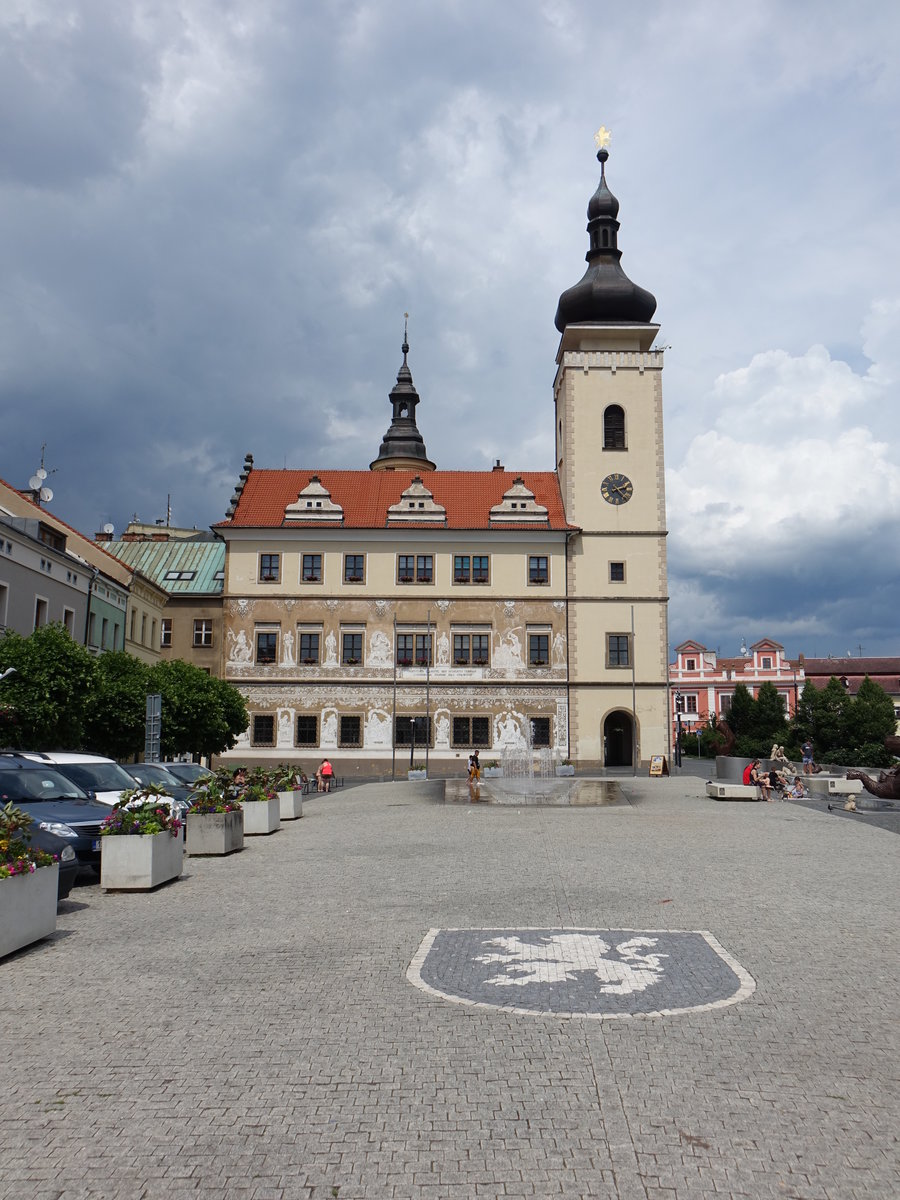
(807, 751)
(326, 775)
(474, 767)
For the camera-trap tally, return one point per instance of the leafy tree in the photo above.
(870, 717)
(45, 700)
(116, 716)
(199, 713)
(769, 721)
(830, 718)
(803, 725)
(741, 714)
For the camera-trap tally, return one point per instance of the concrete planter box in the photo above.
(27, 908)
(261, 816)
(215, 833)
(492, 772)
(139, 862)
(412, 775)
(568, 769)
(291, 805)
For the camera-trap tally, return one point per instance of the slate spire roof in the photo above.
(604, 295)
(403, 445)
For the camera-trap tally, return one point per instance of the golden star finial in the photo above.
(601, 137)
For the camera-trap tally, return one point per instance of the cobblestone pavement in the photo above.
(250, 1031)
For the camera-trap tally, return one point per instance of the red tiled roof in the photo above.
(851, 666)
(366, 496)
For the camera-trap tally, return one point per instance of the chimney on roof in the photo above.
(498, 465)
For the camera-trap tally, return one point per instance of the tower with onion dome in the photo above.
(609, 458)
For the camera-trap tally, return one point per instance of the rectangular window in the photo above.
(266, 646)
(309, 649)
(203, 632)
(462, 568)
(104, 632)
(4, 602)
(471, 649)
(354, 568)
(351, 649)
(406, 568)
(616, 572)
(617, 654)
(424, 568)
(690, 704)
(116, 643)
(350, 731)
(539, 649)
(92, 629)
(143, 629)
(165, 632)
(414, 649)
(263, 733)
(540, 731)
(269, 568)
(307, 731)
(312, 568)
(690, 664)
(538, 569)
(403, 731)
(471, 731)
(40, 612)
(481, 568)
(724, 704)
(130, 627)
(69, 621)
(767, 664)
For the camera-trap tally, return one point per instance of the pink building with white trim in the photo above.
(705, 682)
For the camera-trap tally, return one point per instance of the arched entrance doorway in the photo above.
(618, 740)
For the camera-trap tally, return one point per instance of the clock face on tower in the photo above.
(616, 488)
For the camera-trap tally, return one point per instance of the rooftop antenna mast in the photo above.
(40, 493)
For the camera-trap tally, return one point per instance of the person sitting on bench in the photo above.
(752, 777)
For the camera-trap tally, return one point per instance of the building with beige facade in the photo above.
(504, 610)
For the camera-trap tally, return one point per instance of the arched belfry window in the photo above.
(605, 237)
(614, 428)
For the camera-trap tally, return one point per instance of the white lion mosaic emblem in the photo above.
(561, 956)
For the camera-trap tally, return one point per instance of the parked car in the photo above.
(56, 805)
(102, 777)
(147, 773)
(52, 843)
(188, 772)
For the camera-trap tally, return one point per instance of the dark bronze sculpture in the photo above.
(887, 785)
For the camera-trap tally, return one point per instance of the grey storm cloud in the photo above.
(214, 216)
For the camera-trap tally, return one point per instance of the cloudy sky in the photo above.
(214, 213)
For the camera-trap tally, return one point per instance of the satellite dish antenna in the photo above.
(46, 494)
(35, 482)
(41, 473)
(109, 527)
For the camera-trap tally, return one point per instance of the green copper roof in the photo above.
(180, 566)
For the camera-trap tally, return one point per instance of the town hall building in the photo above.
(408, 609)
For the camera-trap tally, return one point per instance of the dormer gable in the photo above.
(314, 504)
(519, 505)
(416, 503)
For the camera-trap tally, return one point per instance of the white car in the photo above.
(100, 777)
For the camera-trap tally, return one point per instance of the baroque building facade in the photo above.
(404, 609)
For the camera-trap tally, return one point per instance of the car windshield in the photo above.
(189, 771)
(151, 774)
(99, 777)
(41, 784)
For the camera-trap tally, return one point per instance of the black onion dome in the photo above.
(605, 293)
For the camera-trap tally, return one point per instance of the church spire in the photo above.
(604, 295)
(403, 446)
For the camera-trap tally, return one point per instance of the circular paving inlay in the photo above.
(580, 972)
